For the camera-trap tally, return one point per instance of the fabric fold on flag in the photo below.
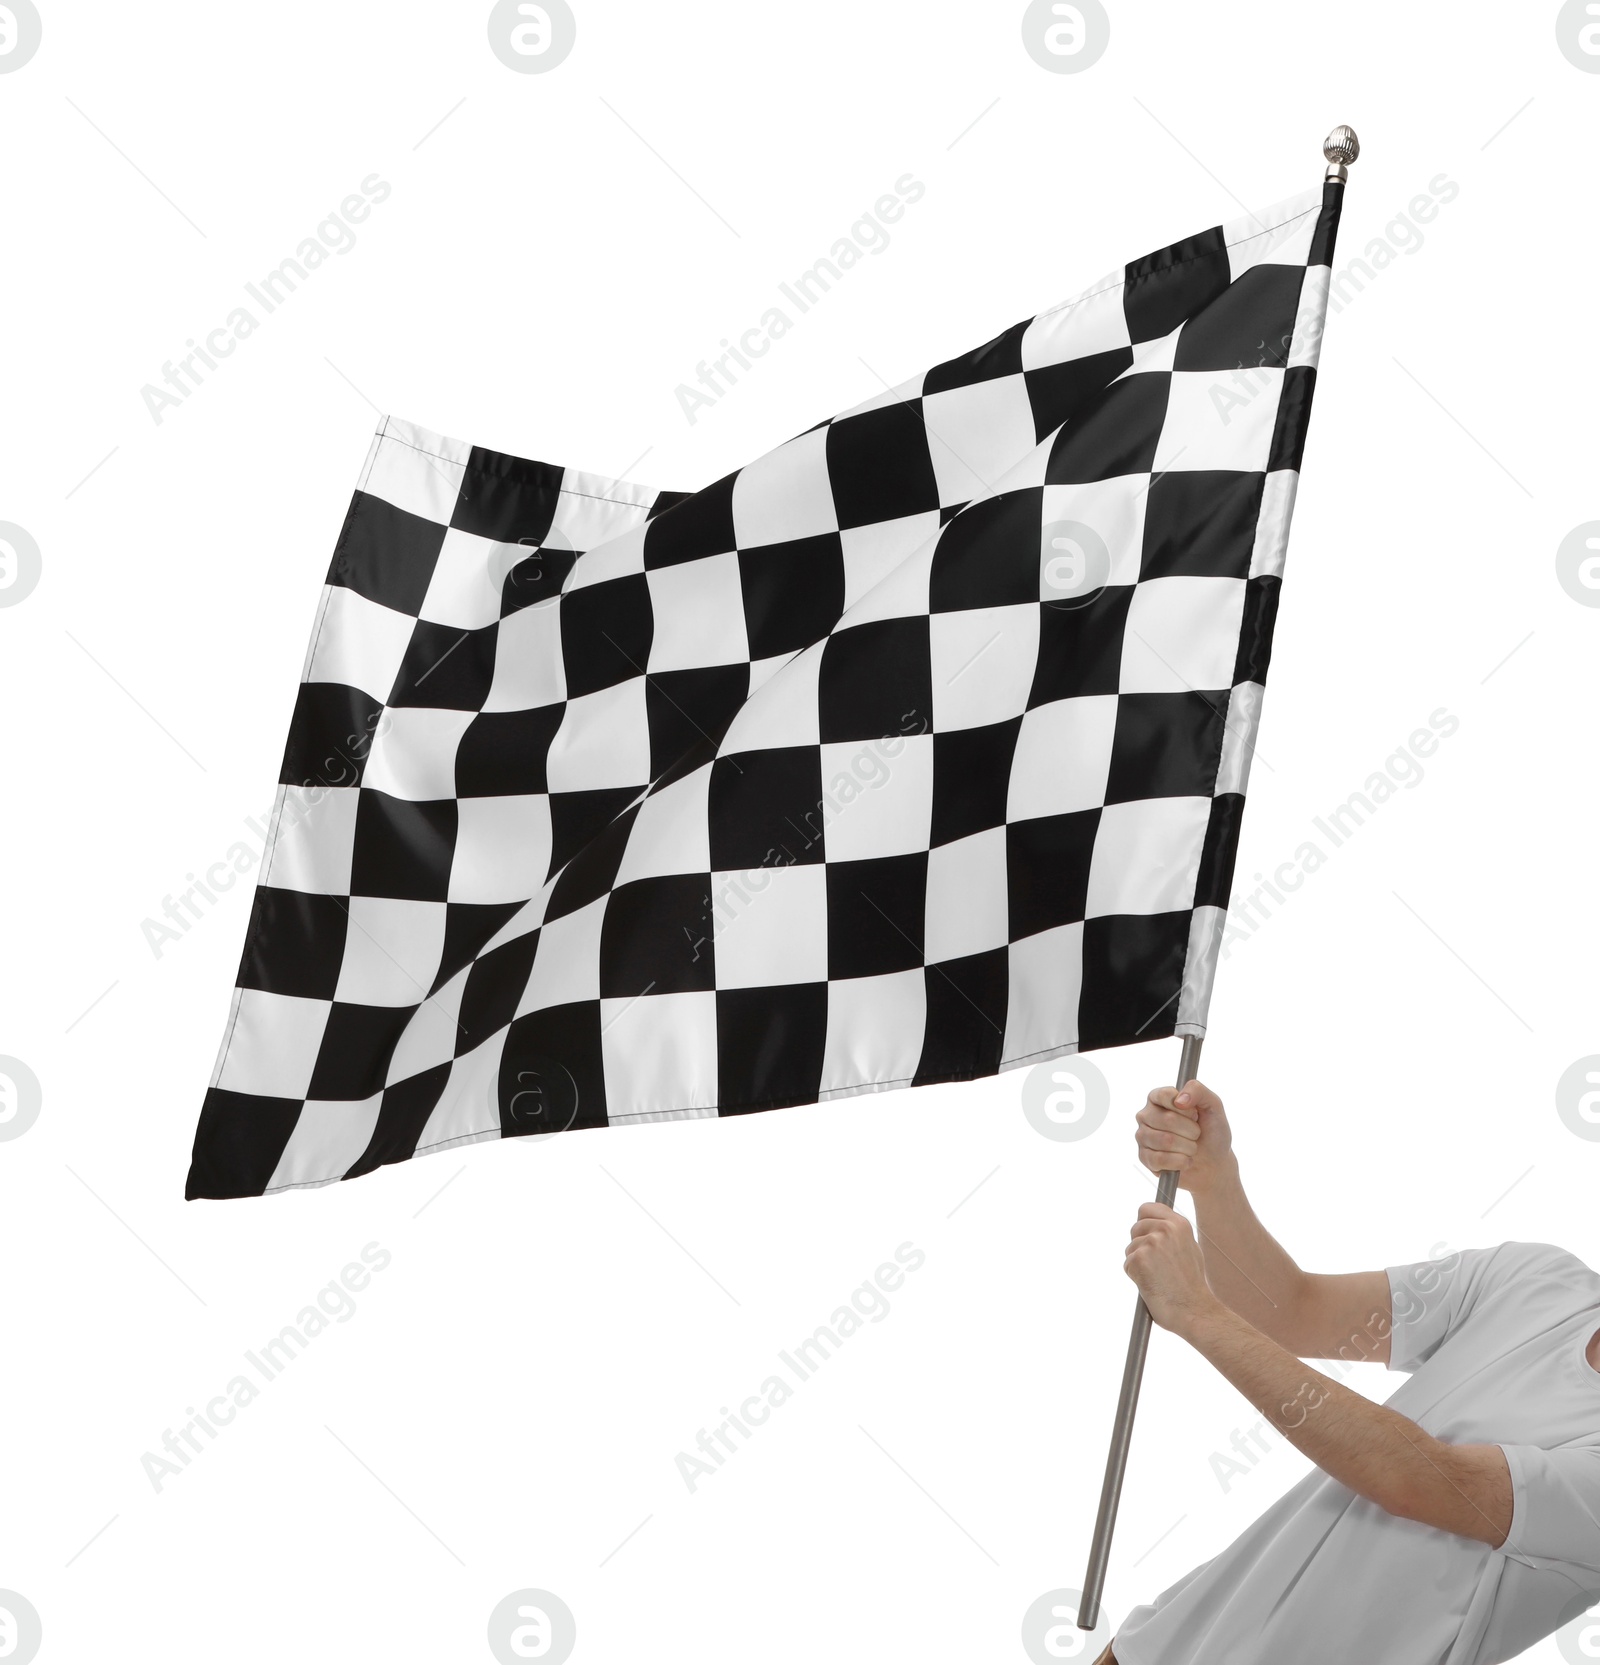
(912, 751)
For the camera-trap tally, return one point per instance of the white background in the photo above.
(558, 1322)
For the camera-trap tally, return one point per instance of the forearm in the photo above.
(1344, 1315)
(1373, 1450)
(1247, 1268)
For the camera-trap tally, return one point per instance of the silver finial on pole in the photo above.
(1341, 147)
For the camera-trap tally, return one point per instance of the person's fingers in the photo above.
(1160, 1098)
(1160, 1161)
(1171, 1133)
(1159, 1120)
(1196, 1097)
(1164, 1162)
(1185, 1136)
(1158, 1222)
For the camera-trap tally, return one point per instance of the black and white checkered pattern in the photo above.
(605, 805)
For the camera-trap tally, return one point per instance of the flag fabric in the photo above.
(913, 751)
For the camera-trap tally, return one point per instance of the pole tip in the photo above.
(1341, 148)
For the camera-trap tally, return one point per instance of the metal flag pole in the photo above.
(1341, 148)
(1128, 1402)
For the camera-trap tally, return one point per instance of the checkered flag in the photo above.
(913, 751)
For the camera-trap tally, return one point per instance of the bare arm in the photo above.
(1376, 1452)
(1314, 1315)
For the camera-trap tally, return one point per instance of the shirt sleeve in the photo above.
(1555, 1509)
(1431, 1299)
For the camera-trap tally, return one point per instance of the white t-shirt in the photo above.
(1495, 1340)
